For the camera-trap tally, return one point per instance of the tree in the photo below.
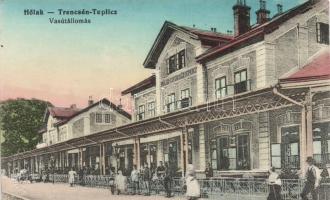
(20, 121)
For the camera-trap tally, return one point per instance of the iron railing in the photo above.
(222, 188)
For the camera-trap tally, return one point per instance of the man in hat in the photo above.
(311, 180)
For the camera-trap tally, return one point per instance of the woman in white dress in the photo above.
(72, 174)
(193, 188)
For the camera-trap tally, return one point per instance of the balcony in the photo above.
(184, 103)
(237, 88)
(180, 104)
(140, 116)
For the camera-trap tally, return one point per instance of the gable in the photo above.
(208, 38)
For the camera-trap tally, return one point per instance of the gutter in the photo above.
(275, 91)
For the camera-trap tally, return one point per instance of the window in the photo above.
(220, 87)
(171, 102)
(240, 81)
(290, 147)
(223, 149)
(322, 31)
(185, 98)
(214, 154)
(107, 118)
(276, 155)
(182, 59)
(141, 111)
(243, 152)
(177, 61)
(172, 64)
(98, 118)
(151, 109)
(321, 143)
(232, 152)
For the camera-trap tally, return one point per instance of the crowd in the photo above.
(146, 178)
(142, 179)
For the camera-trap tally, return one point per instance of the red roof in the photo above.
(105, 101)
(255, 34)
(318, 69)
(142, 85)
(206, 34)
(60, 112)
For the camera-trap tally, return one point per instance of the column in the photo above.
(81, 158)
(103, 158)
(309, 126)
(182, 153)
(136, 151)
(202, 152)
(303, 141)
(186, 148)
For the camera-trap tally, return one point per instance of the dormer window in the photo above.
(322, 31)
(177, 61)
(98, 118)
(241, 83)
(141, 113)
(220, 87)
(107, 118)
(185, 99)
(182, 59)
(171, 103)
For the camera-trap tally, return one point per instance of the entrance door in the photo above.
(290, 147)
(173, 155)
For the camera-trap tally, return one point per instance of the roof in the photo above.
(142, 85)
(208, 38)
(62, 113)
(104, 101)
(317, 69)
(254, 35)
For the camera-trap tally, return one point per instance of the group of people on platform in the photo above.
(163, 174)
(313, 178)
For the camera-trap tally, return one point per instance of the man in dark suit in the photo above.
(310, 180)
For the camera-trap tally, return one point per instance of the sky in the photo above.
(67, 63)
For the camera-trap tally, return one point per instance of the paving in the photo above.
(57, 191)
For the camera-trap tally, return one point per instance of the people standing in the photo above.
(311, 184)
(120, 182)
(146, 178)
(209, 171)
(193, 188)
(274, 182)
(112, 180)
(161, 170)
(71, 174)
(167, 180)
(135, 179)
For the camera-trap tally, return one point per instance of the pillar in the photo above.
(303, 139)
(103, 158)
(186, 148)
(182, 153)
(309, 126)
(202, 152)
(136, 151)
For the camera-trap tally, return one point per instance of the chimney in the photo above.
(262, 13)
(73, 106)
(213, 29)
(241, 17)
(90, 100)
(120, 106)
(279, 8)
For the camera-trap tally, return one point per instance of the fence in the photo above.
(224, 188)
